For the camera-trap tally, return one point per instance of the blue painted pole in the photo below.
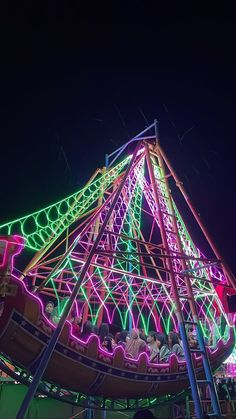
(191, 374)
(207, 367)
(104, 414)
(106, 160)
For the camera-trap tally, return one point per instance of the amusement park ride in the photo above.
(119, 252)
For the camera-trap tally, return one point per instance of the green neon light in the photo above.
(40, 227)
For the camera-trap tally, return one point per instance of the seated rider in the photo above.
(164, 351)
(174, 345)
(153, 346)
(48, 311)
(76, 322)
(134, 346)
(107, 344)
(192, 338)
(122, 337)
(87, 330)
(103, 331)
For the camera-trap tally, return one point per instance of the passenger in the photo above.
(95, 329)
(48, 311)
(87, 329)
(174, 345)
(103, 331)
(76, 325)
(153, 346)
(134, 346)
(55, 316)
(164, 350)
(51, 312)
(117, 337)
(123, 338)
(107, 344)
(113, 342)
(192, 339)
(142, 335)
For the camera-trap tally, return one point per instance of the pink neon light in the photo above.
(13, 246)
(108, 354)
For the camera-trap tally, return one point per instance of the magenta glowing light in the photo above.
(9, 248)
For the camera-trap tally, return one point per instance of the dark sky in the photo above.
(76, 84)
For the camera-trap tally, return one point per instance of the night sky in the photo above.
(76, 84)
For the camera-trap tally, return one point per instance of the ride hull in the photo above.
(83, 366)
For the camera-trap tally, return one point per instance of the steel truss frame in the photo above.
(109, 244)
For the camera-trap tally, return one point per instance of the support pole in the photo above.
(56, 334)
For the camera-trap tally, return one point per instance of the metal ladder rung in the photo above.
(203, 381)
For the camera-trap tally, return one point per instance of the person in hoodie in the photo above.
(134, 346)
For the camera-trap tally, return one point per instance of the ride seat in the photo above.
(142, 362)
(32, 309)
(118, 357)
(92, 346)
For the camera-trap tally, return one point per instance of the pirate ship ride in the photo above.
(117, 251)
